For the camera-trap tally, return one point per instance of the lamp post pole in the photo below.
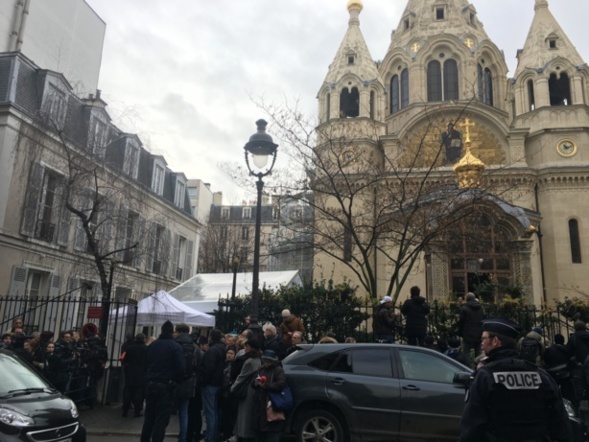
(234, 267)
(260, 148)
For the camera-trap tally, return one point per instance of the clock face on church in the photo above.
(566, 148)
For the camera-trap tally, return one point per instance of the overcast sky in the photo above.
(180, 73)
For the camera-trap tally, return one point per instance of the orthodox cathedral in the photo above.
(444, 83)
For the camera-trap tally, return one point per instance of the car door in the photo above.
(431, 405)
(364, 381)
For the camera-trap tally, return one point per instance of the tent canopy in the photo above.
(203, 290)
(161, 307)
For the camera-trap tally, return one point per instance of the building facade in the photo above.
(82, 202)
(441, 100)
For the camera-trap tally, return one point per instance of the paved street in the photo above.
(106, 422)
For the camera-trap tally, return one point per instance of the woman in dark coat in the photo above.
(135, 369)
(245, 409)
(271, 377)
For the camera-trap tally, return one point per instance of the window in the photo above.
(45, 216)
(131, 163)
(404, 88)
(246, 213)
(98, 135)
(442, 84)
(347, 245)
(157, 247)
(485, 83)
(440, 14)
(351, 59)
(192, 192)
(349, 103)
(406, 24)
(180, 193)
(575, 241)
(372, 104)
(180, 255)
(275, 212)
(225, 213)
(245, 233)
(223, 232)
(328, 107)
(395, 94)
(243, 255)
(531, 99)
(56, 106)
(372, 362)
(425, 367)
(552, 43)
(157, 180)
(560, 90)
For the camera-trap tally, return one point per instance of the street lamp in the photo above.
(258, 150)
(234, 267)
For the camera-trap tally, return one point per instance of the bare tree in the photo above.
(220, 243)
(380, 204)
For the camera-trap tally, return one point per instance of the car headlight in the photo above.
(568, 406)
(74, 410)
(14, 418)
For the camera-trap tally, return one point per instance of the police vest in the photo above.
(519, 400)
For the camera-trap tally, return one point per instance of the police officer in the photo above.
(511, 399)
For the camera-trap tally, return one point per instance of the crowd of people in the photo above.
(73, 363)
(223, 378)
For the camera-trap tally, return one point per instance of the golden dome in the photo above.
(469, 170)
(355, 4)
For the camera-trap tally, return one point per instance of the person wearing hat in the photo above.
(290, 324)
(386, 321)
(165, 368)
(511, 399)
(271, 377)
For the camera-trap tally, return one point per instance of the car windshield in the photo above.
(17, 376)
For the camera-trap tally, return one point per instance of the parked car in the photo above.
(376, 392)
(31, 409)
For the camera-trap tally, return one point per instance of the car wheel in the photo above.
(319, 425)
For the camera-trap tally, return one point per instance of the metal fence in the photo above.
(442, 318)
(71, 313)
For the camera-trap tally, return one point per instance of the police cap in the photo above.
(502, 326)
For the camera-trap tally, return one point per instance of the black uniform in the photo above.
(512, 400)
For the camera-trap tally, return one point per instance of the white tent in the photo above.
(203, 290)
(161, 307)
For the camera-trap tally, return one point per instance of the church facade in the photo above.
(441, 108)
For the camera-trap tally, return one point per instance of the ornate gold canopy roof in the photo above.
(469, 169)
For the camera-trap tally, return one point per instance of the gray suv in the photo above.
(374, 392)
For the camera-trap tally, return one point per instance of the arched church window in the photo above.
(560, 90)
(531, 99)
(404, 88)
(450, 76)
(349, 106)
(434, 81)
(575, 241)
(394, 94)
(372, 104)
(442, 84)
(485, 83)
(400, 91)
(328, 107)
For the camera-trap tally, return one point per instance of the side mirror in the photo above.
(461, 378)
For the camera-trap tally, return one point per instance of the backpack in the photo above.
(529, 350)
(190, 358)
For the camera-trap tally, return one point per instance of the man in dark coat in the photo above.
(135, 369)
(415, 310)
(578, 350)
(511, 399)
(469, 324)
(213, 363)
(165, 368)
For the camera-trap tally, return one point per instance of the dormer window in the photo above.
(552, 43)
(131, 164)
(97, 136)
(246, 213)
(157, 179)
(406, 24)
(56, 106)
(225, 213)
(351, 58)
(180, 193)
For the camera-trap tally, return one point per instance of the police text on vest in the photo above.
(518, 380)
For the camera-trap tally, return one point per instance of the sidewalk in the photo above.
(106, 420)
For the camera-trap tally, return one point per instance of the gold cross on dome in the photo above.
(415, 47)
(466, 125)
(469, 42)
